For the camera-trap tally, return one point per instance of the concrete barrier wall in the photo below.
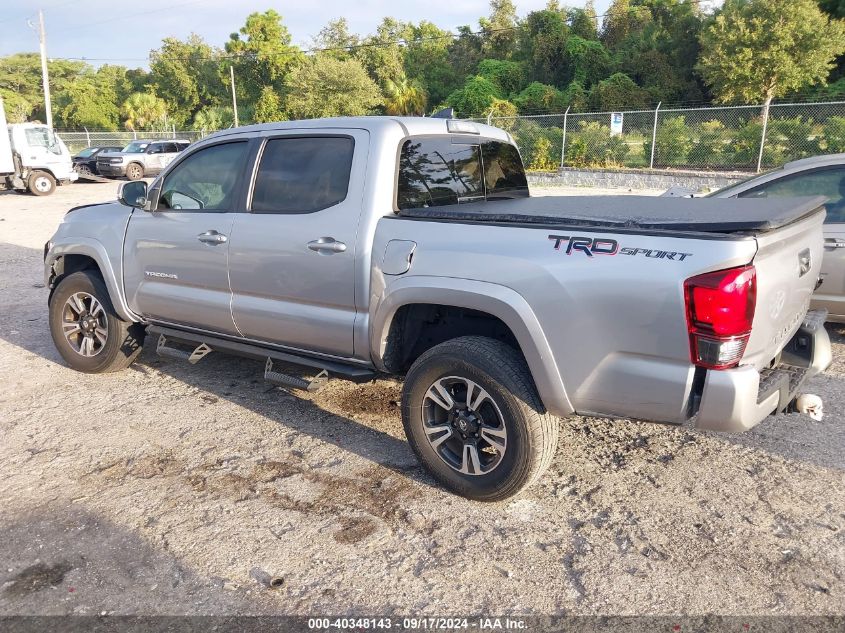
(635, 179)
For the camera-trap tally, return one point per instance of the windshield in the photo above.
(726, 191)
(43, 137)
(135, 147)
(88, 151)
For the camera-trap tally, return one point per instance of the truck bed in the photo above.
(647, 213)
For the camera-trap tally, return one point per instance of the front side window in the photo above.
(821, 182)
(436, 172)
(303, 174)
(206, 180)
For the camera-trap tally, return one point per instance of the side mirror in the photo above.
(133, 194)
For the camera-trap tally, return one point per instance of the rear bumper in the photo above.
(735, 400)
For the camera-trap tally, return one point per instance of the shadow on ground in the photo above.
(63, 560)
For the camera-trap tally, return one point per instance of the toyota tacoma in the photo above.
(358, 247)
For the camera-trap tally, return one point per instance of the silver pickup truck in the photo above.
(359, 247)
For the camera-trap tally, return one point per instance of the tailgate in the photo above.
(788, 263)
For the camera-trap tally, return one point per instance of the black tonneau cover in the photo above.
(702, 215)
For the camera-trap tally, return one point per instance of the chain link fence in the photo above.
(77, 141)
(720, 138)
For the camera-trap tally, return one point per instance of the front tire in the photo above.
(473, 417)
(134, 171)
(41, 183)
(85, 328)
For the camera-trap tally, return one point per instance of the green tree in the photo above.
(762, 49)
(584, 22)
(475, 98)
(88, 102)
(618, 92)
(323, 86)
(427, 60)
(381, 54)
(186, 75)
(214, 118)
(538, 98)
(263, 54)
(268, 108)
(588, 61)
(336, 40)
(499, 30)
(543, 46)
(144, 111)
(405, 98)
(507, 76)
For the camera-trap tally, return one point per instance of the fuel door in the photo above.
(398, 255)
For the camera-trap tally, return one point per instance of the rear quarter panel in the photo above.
(614, 325)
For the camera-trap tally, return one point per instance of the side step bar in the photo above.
(294, 382)
(201, 351)
(206, 343)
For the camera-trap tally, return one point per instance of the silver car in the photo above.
(140, 158)
(820, 175)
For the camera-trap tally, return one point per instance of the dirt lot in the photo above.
(177, 489)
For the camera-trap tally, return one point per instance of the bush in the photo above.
(539, 146)
(834, 134)
(672, 143)
(790, 139)
(709, 147)
(593, 146)
(542, 157)
(786, 139)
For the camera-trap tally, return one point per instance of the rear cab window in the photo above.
(444, 170)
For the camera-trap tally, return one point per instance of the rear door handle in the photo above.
(212, 237)
(834, 242)
(327, 246)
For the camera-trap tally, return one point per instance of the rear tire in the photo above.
(85, 328)
(134, 171)
(474, 419)
(41, 183)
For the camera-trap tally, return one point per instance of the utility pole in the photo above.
(42, 38)
(234, 97)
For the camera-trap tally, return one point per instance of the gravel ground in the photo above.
(175, 489)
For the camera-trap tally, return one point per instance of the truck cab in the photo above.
(33, 158)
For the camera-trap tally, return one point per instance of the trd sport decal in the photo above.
(592, 246)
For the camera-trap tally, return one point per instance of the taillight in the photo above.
(720, 309)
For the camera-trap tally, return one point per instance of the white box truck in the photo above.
(32, 158)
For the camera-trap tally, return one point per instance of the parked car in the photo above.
(820, 175)
(357, 247)
(85, 162)
(140, 158)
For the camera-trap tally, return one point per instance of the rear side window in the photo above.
(504, 175)
(436, 172)
(303, 174)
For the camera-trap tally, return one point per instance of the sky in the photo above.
(124, 33)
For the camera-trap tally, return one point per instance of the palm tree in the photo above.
(214, 118)
(143, 111)
(403, 97)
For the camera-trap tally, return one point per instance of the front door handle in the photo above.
(212, 237)
(834, 242)
(327, 245)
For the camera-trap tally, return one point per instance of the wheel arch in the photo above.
(64, 259)
(498, 303)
